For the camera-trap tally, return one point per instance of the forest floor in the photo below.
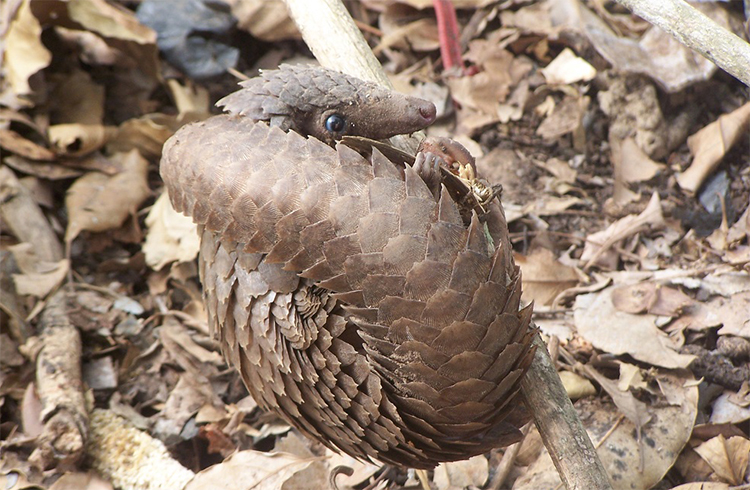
(625, 165)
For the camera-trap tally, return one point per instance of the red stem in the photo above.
(447, 23)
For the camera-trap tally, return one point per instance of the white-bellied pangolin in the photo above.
(371, 304)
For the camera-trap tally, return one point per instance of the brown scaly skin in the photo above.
(349, 292)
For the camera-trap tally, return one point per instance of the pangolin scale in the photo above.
(356, 299)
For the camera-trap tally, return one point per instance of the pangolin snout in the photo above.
(428, 111)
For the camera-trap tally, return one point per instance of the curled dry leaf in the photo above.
(727, 457)
(24, 52)
(79, 139)
(98, 202)
(566, 117)
(15, 143)
(38, 277)
(598, 249)
(121, 29)
(710, 144)
(576, 386)
(636, 165)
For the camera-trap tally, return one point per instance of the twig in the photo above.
(58, 378)
(506, 463)
(562, 432)
(328, 30)
(698, 32)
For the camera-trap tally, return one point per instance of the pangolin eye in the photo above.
(335, 123)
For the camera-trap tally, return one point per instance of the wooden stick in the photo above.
(563, 434)
(330, 32)
(60, 387)
(698, 32)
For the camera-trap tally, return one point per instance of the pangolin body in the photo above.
(354, 299)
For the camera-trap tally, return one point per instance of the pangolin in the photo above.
(370, 304)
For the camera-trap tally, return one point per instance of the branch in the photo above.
(698, 32)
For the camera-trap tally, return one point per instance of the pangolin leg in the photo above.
(427, 165)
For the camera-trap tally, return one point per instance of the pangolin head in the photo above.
(328, 105)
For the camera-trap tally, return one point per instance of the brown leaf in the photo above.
(710, 144)
(98, 202)
(250, 469)
(171, 236)
(727, 457)
(544, 277)
(25, 53)
(15, 143)
(38, 277)
(79, 139)
(266, 20)
(618, 332)
(565, 119)
(599, 243)
(650, 297)
(462, 474)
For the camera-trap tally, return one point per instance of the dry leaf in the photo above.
(98, 202)
(565, 119)
(710, 144)
(15, 143)
(703, 485)
(576, 386)
(727, 457)
(49, 171)
(79, 139)
(636, 165)
(267, 20)
(650, 297)
(148, 133)
(544, 277)
(635, 410)
(462, 474)
(38, 277)
(568, 68)
(598, 244)
(420, 35)
(617, 332)
(657, 54)
(250, 469)
(81, 481)
(726, 410)
(630, 377)
(171, 236)
(25, 53)
(629, 464)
